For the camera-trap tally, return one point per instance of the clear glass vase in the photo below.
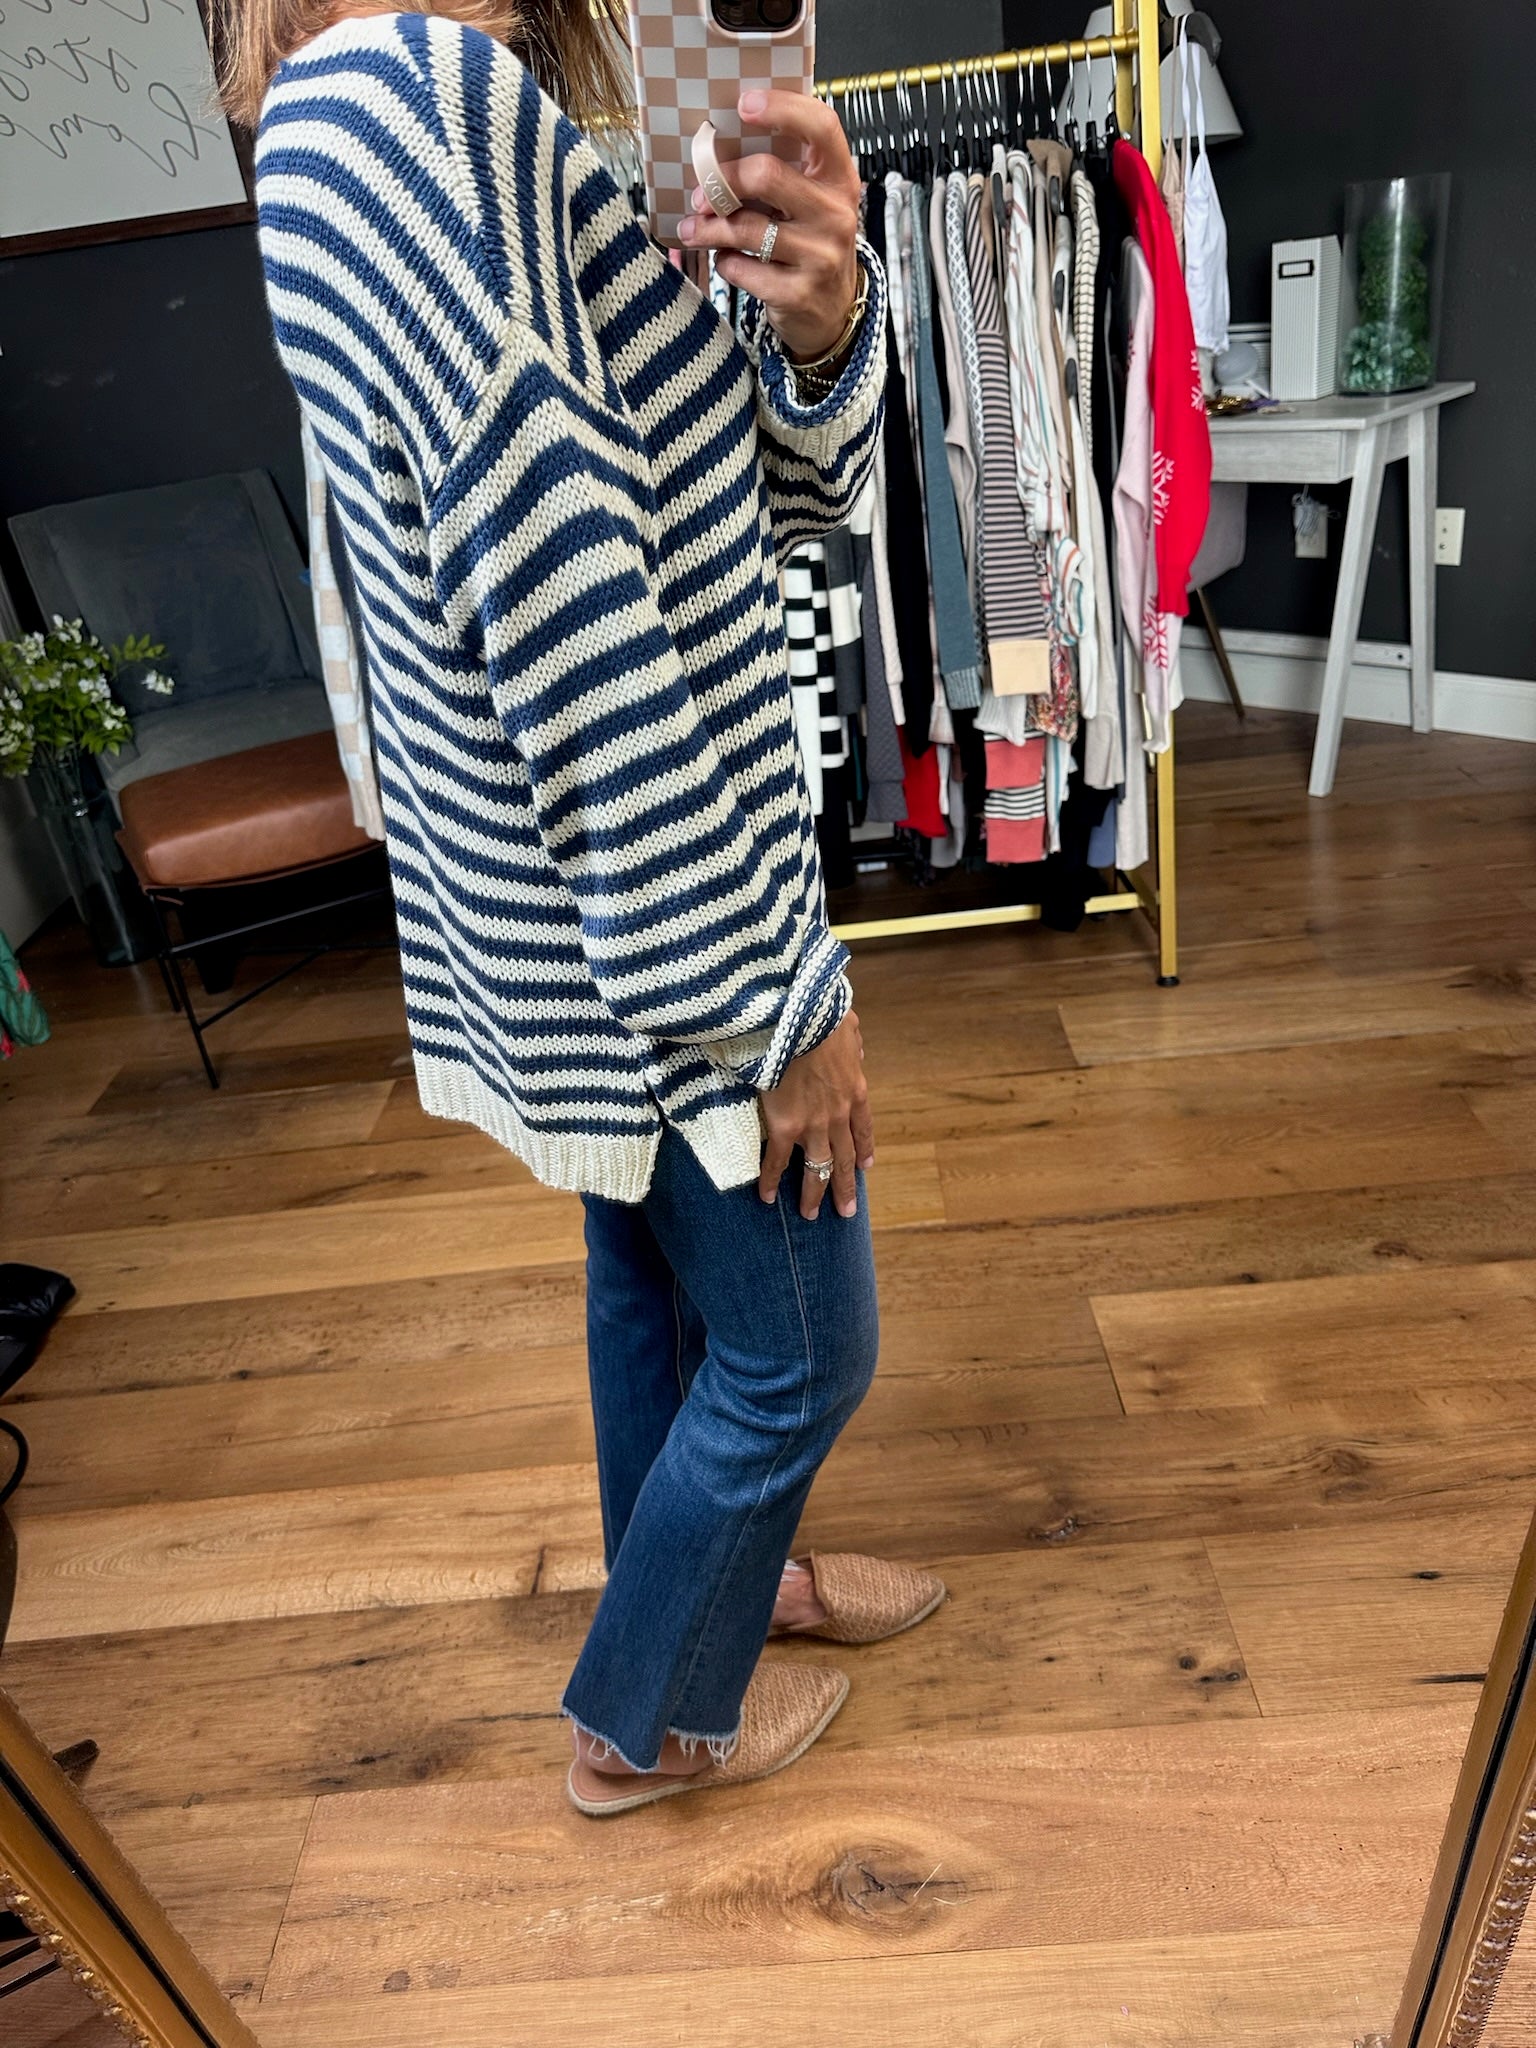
(82, 825)
(1395, 244)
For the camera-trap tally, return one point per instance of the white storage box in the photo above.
(1304, 297)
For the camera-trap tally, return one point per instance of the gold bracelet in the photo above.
(854, 322)
(816, 390)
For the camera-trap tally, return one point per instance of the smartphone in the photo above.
(693, 58)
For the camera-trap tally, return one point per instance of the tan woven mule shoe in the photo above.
(867, 1598)
(787, 1706)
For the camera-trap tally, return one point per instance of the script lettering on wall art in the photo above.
(107, 115)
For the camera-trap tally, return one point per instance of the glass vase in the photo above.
(1395, 244)
(82, 825)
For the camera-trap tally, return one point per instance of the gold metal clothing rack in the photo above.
(1074, 52)
(1134, 47)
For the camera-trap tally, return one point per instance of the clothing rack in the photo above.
(1135, 49)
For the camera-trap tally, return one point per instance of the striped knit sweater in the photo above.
(563, 484)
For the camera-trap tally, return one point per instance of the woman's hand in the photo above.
(809, 287)
(821, 1105)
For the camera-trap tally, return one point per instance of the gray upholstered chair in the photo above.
(211, 568)
(1224, 547)
(232, 800)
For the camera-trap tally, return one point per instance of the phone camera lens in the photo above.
(780, 13)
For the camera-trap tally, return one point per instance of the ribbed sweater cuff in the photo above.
(818, 1001)
(860, 372)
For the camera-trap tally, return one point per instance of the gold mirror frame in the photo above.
(63, 1875)
(1486, 1869)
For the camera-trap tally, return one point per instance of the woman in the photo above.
(562, 483)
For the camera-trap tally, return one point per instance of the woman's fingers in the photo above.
(775, 187)
(821, 1104)
(744, 231)
(816, 1145)
(811, 283)
(794, 300)
(804, 280)
(775, 1165)
(845, 1173)
(811, 119)
(863, 1125)
(836, 1145)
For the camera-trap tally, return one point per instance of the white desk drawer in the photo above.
(1256, 454)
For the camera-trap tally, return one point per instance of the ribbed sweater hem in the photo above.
(726, 1140)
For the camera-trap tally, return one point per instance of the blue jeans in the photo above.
(728, 1343)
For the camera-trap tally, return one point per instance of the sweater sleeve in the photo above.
(817, 457)
(506, 143)
(540, 540)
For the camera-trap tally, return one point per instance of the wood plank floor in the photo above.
(1209, 1382)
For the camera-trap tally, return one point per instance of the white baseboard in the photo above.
(1284, 672)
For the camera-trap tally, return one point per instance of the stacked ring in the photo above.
(765, 247)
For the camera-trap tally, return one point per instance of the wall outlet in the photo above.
(1450, 529)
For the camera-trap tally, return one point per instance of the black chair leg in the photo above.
(173, 995)
(176, 983)
(230, 940)
(1219, 649)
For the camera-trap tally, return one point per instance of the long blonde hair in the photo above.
(574, 48)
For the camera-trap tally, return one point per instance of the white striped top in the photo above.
(563, 483)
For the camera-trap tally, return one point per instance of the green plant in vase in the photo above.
(58, 712)
(1389, 350)
(56, 701)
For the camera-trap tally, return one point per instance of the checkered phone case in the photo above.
(689, 70)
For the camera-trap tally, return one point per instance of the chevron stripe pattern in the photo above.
(564, 485)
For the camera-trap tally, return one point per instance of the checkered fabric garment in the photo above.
(688, 74)
(562, 482)
(822, 731)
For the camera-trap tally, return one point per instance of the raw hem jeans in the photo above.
(728, 1343)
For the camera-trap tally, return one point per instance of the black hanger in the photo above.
(865, 126)
(874, 158)
(972, 159)
(907, 112)
(1111, 124)
(998, 101)
(1073, 136)
(1054, 115)
(925, 140)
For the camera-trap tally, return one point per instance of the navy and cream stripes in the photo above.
(563, 485)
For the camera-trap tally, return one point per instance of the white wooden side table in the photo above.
(1351, 440)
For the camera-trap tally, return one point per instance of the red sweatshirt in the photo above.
(1181, 434)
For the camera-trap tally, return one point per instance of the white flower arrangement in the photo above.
(56, 700)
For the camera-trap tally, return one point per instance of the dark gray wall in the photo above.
(141, 362)
(146, 362)
(1327, 97)
(869, 35)
(1334, 90)
(136, 363)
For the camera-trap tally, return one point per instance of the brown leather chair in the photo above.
(265, 816)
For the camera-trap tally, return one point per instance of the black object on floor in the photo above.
(8, 1563)
(31, 1300)
(18, 1472)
